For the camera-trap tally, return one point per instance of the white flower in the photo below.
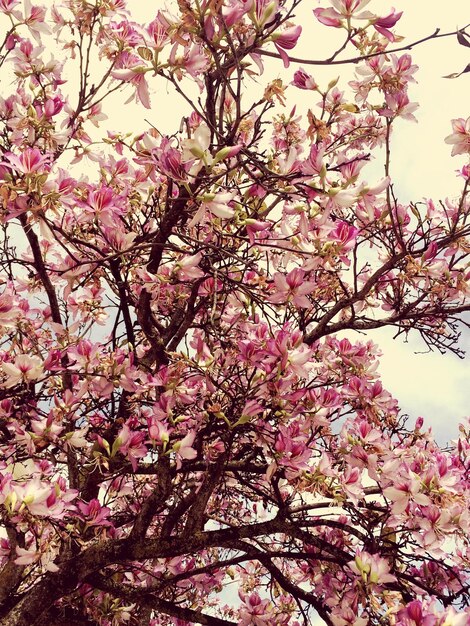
(219, 205)
(198, 146)
(24, 369)
(343, 198)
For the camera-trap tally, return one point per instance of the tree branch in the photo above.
(331, 61)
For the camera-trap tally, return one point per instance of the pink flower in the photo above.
(328, 17)
(302, 80)
(399, 105)
(234, 12)
(9, 310)
(11, 41)
(343, 10)
(314, 165)
(187, 268)
(32, 494)
(31, 555)
(95, 114)
(158, 431)
(53, 106)
(40, 498)
(403, 67)
(404, 491)
(292, 449)
(452, 618)
(433, 525)
(158, 30)
(372, 568)
(94, 513)
(101, 199)
(383, 24)
(430, 252)
(194, 61)
(368, 194)
(349, 7)
(256, 228)
(460, 138)
(345, 234)
(118, 239)
(131, 445)
(34, 19)
(227, 153)
(292, 286)
(183, 448)
(352, 484)
(28, 162)
(220, 204)
(342, 198)
(8, 7)
(132, 71)
(170, 161)
(286, 41)
(25, 369)
(124, 34)
(255, 612)
(413, 615)
(265, 11)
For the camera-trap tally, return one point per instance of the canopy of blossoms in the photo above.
(192, 424)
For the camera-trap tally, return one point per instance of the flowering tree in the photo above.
(185, 438)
